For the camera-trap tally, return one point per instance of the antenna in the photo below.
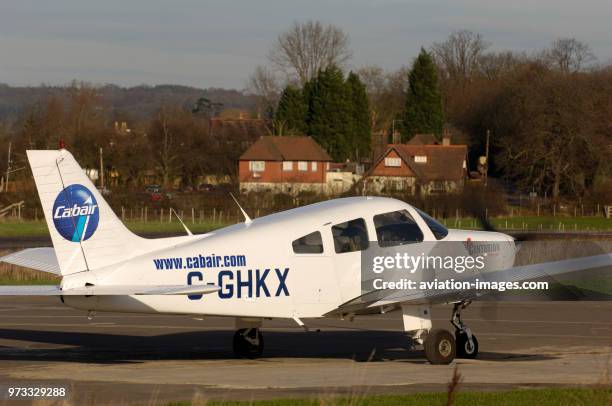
(181, 221)
(247, 219)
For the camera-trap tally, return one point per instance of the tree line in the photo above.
(547, 113)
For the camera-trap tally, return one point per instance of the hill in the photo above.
(137, 102)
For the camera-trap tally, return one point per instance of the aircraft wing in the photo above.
(525, 273)
(51, 290)
(41, 259)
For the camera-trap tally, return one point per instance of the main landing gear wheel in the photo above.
(467, 344)
(440, 347)
(466, 348)
(248, 343)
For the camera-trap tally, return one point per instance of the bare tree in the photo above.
(386, 93)
(494, 65)
(265, 85)
(305, 48)
(458, 57)
(568, 55)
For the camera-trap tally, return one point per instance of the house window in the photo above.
(314, 166)
(395, 162)
(327, 166)
(257, 166)
(464, 164)
(302, 166)
(287, 165)
(422, 159)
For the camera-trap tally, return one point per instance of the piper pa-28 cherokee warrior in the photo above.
(296, 264)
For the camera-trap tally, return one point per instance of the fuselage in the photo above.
(285, 265)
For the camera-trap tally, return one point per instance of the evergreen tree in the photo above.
(423, 113)
(360, 120)
(290, 116)
(329, 112)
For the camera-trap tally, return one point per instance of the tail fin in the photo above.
(86, 233)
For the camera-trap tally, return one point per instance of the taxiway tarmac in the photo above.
(150, 358)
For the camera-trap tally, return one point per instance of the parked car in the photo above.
(206, 187)
(153, 189)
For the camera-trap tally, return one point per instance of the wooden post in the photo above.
(161, 215)
(193, 215)
(146, 209)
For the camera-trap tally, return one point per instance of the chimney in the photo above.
(446, 137)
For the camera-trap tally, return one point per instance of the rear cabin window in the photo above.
(437, 229)
(309, 244)
(350, 236)
(396, 228)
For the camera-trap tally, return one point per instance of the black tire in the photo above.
(464, 350)
(440, 347)
(243, 345)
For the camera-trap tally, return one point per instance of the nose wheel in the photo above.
(248, 343)
(466, 342)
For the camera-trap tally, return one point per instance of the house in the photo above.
(284, 164)
(419, 167)
(427, 139)
(342, 176)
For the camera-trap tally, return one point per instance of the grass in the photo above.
(39, 228)
(531, 223)
(537, 223)
(546, 397)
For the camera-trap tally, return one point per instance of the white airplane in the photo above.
(300, 263)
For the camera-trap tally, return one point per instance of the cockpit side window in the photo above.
(309, 244)
(350, 236)
(396, 228)
(437, 229)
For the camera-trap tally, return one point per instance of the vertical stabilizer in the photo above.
(86, 233)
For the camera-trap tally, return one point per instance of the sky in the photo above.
(207, 43)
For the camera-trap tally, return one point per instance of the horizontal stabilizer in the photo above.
(108, 290)
(41, 259)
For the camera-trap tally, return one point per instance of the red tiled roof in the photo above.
(444, 162)
(423, 139)
(294, 148)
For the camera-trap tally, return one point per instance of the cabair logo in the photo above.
(76, 213)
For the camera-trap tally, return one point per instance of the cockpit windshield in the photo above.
(438, 230)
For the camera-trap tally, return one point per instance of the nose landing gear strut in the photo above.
(466, 342)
